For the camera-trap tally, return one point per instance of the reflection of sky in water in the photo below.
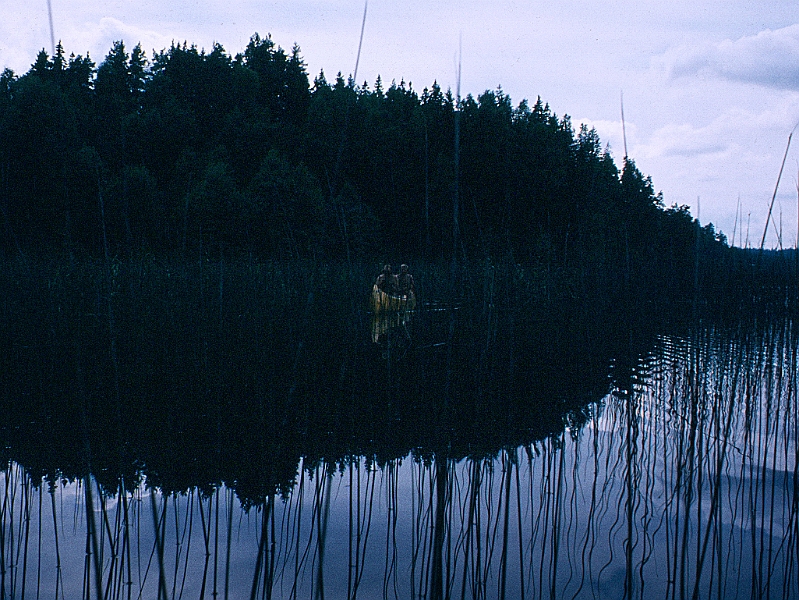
(560, 519)
(625, 500)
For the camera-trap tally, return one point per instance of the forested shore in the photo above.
(188, 242)
(201, 155)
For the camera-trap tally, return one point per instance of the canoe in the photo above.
(380, 301)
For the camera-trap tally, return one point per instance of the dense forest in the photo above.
(194, 153)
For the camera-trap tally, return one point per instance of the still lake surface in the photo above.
(459, 452)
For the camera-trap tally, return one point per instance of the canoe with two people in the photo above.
(394, 292)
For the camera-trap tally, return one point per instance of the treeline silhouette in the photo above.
(203, 149)
(199, 153)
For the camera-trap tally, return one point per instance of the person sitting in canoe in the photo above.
(386, 282)
(405, 285)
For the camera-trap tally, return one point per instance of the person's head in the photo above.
(404, 269)
(387, 269)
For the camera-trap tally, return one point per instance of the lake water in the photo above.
(457, 453)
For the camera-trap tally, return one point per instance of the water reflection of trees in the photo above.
(680, 483)
(242, 454)
(193, 389)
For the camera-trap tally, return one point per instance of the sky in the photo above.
(709, 88)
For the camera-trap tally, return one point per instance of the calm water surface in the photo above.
(402, 460)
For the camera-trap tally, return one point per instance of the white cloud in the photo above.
(687, 140)
(22, 35)
(715, 158)
(735, 156)
(98, 37)
(769, 58)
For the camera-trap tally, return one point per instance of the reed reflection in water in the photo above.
(680, 483)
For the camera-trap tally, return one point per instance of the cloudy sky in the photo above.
(710, 87)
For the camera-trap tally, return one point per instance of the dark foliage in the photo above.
(233, 371)
(203, 153)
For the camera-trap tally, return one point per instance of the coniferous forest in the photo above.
(193, 153)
